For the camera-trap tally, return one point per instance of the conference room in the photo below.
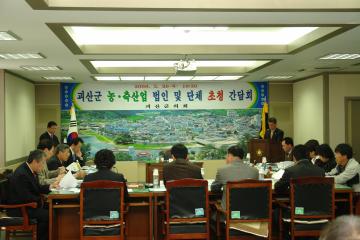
(197, 112)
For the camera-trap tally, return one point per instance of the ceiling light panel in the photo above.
(180, 35)
(107, 78)
(58, 78)
(341, 56)
(41, 68)
(7, 36)
(280, 77)
(15, 56)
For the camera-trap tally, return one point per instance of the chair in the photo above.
(311, 206)
(187, 209)
(102, 210)
(248, 202)
(15, 224)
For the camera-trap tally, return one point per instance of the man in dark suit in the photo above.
(104, 161)
(287, 145)
(273, 133)
(61, 156)
(25, 188)
(75, 152)
(302, 168)
(50, 133)
(180, 168)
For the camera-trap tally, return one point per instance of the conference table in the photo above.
(142, 218)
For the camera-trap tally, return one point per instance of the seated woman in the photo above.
(327, 157)
(104, 161)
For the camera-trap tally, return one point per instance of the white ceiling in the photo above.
(36, 37)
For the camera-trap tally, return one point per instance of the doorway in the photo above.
(352, 106)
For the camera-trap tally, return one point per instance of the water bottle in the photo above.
(156, 178)
(203, 173)
(248, 158)
(263, 160)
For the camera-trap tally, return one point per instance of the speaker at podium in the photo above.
(272, 150)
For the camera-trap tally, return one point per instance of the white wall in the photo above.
(340, 86)
(19, 117)
(308, 108)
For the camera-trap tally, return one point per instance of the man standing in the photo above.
(288, 145)
(25, 188)
(180, 168)
(274, 133)
(50, 133)
(235, 170)
(302, 168)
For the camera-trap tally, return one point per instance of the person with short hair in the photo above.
(61, 155)
(75, 152)
(181, 167)
(311, 146)
(274, 133)
(25, 188)
(302, 168)
(327, 158)
(104, 161)
(235, 170)
(50, 133)
(288, 145)
(347, 168)
(342, 228)
(47, 176)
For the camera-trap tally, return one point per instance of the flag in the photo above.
(264, 120)
(73, 130)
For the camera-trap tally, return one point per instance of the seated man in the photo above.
(288, 145)
(235, 170)
(274, 133)
(104, 161)
(180, 168)
(347, 169)
(311, 146)
(46, 176)
(302, 168)
(75, 152)
(25, 188)
(61, 155)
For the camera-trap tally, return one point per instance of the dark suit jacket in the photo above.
(327, 166)
(54, 163)
(180, 169)
(46, 135)
(107, 174)
(73, 158)
(303, 168)
(277, 136)
(25, 187)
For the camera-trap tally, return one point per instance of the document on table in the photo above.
(68, 181)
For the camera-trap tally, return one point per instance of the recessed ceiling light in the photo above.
(156, 78)
(340, 56)
(58, 78)
(280, 77)
(182, 35)
(20, 55)
(132, 78)
(204, 78)
(180, 78)
(228, 77)
(107, 78)
(41, 68)
(171, 64)
(7, 36)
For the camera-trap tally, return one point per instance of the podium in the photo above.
(272, 150)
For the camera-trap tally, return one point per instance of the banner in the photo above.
(163, 96)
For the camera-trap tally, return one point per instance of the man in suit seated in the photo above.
(274, 133)
(75, 152)
(50, 133)
(25, 188)
(61, 155)
(46, 176)
(235, 170)
(302, 168)
(180, 168)
(347, 169)
(288, 145)
(104, 161)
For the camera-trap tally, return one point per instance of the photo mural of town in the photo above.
(146, 135)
